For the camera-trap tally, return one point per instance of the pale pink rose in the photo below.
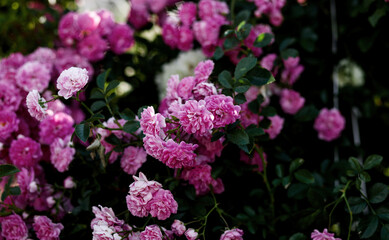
(71, 81)
(139, 14)
(223, 109)
(325, 235)
(178, 155)
(9, 123)
(61, 154)
(204, 89)
(153, 145)
(275, 127)
(59, 125)
(136, 206)
(144, 188)
(13, 227)
(106, 22)
(178, 227)
(191, 234)
(67, 28)
(132, 159)
(25, 179)
(33, 75)
(329, 124)
(185, 87)
(267, 61)
(69, 183)
(200, 177)
(233, 234)
(206, 32)
(105, 214)
(10, 96)
(36, 105)
(212, 8)
(45, 229)
(203, 70)
(103, 231)
(162, 205)
(152, 232)
(170, 34)
(291, 101)
(87, 23)
(152, 123)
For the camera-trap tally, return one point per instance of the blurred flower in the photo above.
(349, 73)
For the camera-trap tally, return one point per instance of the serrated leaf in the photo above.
(97, 105)
(378, 193)
(242, 16)
(230, 42)
(102, 78)
(289, 52)
(364, 176)
(263, 40)
(225, 79)
(371, 227)
(243, 66)
(127, 114)
(242, 89)
(297, 190)
(240, 98)
(260, 76)
(8, 169)
(243, 31)
(268, 111)
(306, 114)
(238, 137)
(82, 131)
(249, 210)
(96, 94)
(372, 161)
(14, 191)
(131, 126)
(385, 232)
(286, 42)
(254, 131)
(113, 84)
(355, 165)
(357, 204)
(295, 164)
(304, 176)
(279, 170)
(383, 213)
(218, 53)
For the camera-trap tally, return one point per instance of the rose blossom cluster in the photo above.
(181, 30)
(13, 227)
(192, 108)
(232, 234)
(148, 197)
(271, 8)
(94, 33)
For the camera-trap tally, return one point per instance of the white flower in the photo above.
(119, 8)
(349, 73)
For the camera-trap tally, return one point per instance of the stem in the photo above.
(232, 10)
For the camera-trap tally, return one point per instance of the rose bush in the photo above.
(194, 120)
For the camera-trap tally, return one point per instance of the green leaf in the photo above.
(357, 204)
(244, 65)
(372, 161)
(102, 78)
(364, 176)
(95, 117)
(225, 79)
(304, 176)
(230, 42)
(243, 30)
(242, 16)
(8, 169)
(373, 19)
(279, 170)
(287, 42)
(306, 114)
(127, 114)
(297, 191)
(371, 227)
(289, 52)
(249, 210)
(355, 165)
(14, 191)
(268, 111)
(295, 164)
(96, 94)
(260, 76)
(254, 131)
(242, 89)
(383, 213)
(238, 137)
(298, 236)
(218, 53)
(308, 39)
(82, 131)
(378, 193)
(140, 110)
(240, 98)
(97, 105)
(263, 40)
(131, 126)
(385, 232)
(112, 85)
